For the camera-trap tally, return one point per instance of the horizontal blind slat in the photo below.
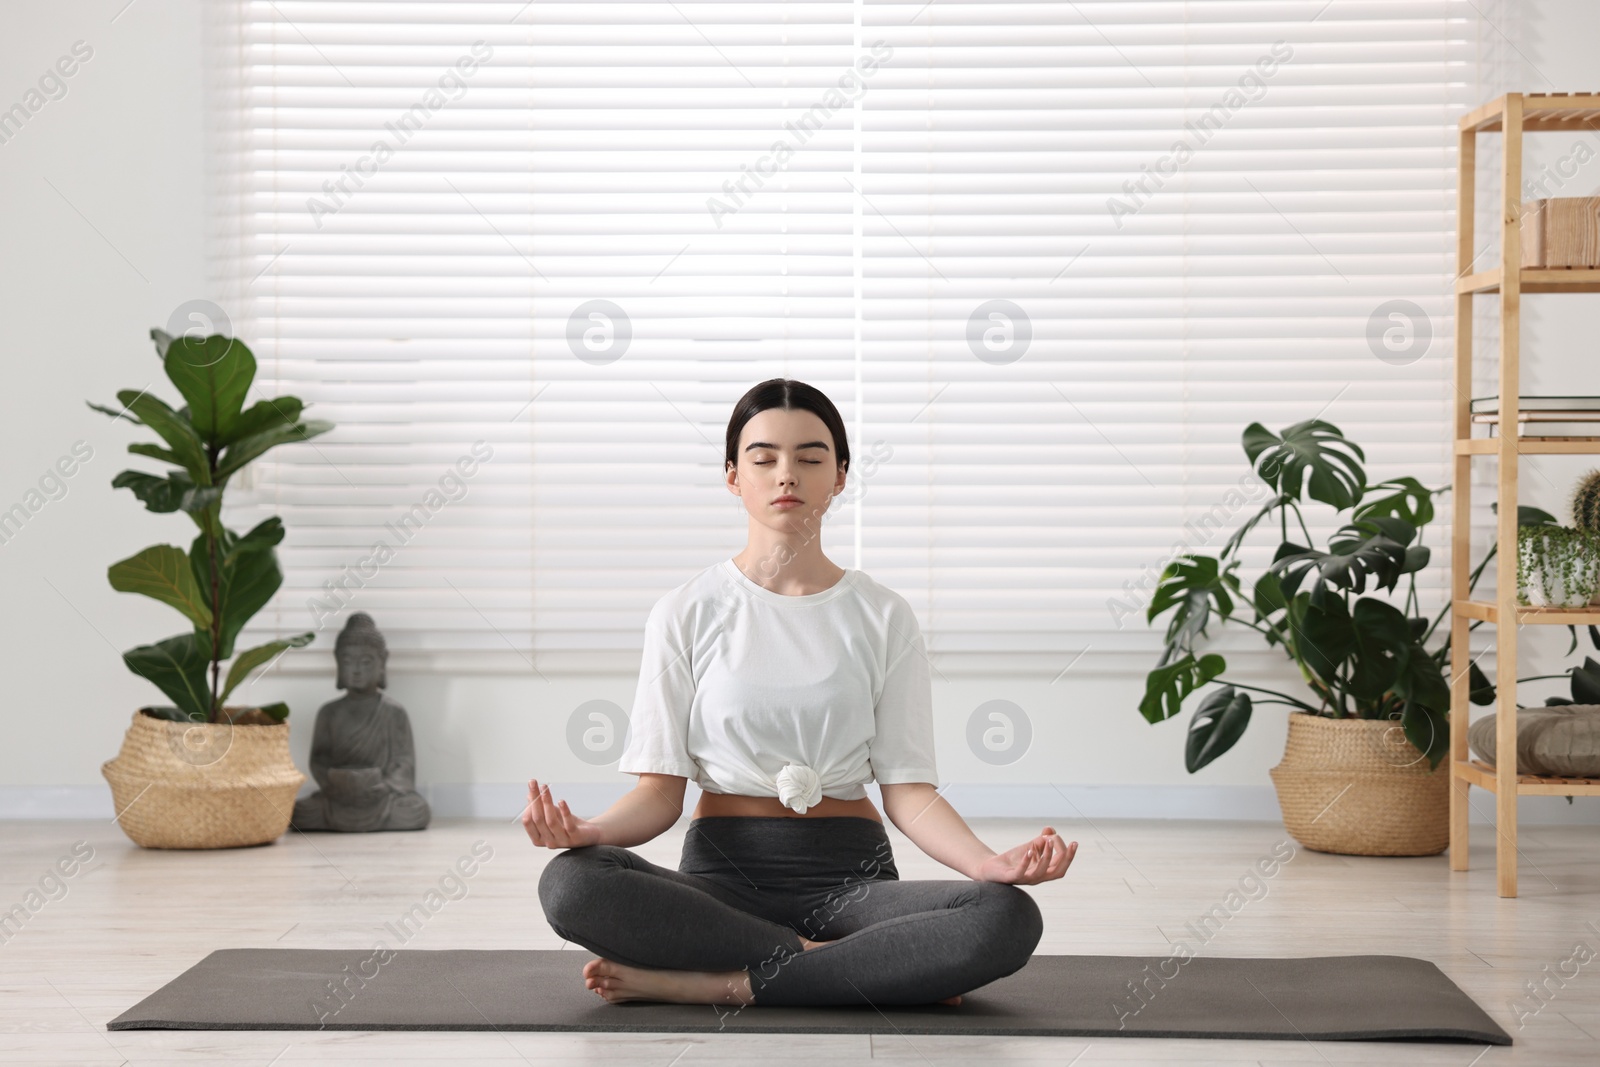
(424, 301)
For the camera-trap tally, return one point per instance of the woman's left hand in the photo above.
(1039, 860)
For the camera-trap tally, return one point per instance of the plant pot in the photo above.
(1542, 581)
(203, 785)
(1358, 787)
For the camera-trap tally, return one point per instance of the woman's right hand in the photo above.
(552, 825)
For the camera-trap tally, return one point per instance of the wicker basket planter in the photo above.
(203, 785)
(1357, 787)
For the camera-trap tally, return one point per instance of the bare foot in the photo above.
(617, 982)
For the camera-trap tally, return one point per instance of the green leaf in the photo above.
(1421, 681)
(1428, 730)
(1232, 544)
(265, 534)
(279, 710)
(1528, 515)
(160, 495)
(245, 581)
(186, 448)
(1191, 585)
(246, 449)
(1411, 501)
(1479, 689)
(177, 666)
(176, 492)
(1383, 637)
(1349, 560)
(165, 455)
(1312, 453)
(170, 714)
(1425, 703)
(1323, 636)
(1218, 723)
(213, 373)
(197, 498)
(163, 341)
(115, 413)
(1586, 682)
(162, 572)
(1268, 598)
(265, 415)
(250, 659)
(1166, 687)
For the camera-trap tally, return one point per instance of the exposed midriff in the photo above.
(714, 805)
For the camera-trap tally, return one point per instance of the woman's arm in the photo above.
(918, 811)
(643, 813)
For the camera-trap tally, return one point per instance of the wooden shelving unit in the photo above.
(1511, 116)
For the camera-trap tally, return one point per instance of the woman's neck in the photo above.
(802, 575)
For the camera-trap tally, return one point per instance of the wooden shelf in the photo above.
(1511, 115)
(1535, 280)
(1490, 612)
(1530, 446)
(1482, 775)
(1541, 112)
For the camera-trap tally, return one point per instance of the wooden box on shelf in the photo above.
(1562, 231)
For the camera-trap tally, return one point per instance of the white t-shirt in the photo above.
(753, 692)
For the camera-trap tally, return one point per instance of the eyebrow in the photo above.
(765, 444)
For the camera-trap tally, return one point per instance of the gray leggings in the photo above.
(747, 887)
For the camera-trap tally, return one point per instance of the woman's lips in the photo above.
(786, 504)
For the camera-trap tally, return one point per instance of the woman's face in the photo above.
(786, 453)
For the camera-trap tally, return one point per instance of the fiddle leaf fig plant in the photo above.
(1358, 654)
(224, 577)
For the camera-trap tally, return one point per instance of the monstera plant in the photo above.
(225, 577)
(1358, 655)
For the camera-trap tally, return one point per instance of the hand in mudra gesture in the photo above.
(552, 825)
(1039, 860)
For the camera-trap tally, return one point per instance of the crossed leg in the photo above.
(882, 942)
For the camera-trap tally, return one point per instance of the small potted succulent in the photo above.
(200, 773)
(1557, 566)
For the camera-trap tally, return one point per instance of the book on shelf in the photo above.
(1542, 416)
(1554, 416)
(1568, 405)
(1549, 412)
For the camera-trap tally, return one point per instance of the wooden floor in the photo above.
(131, 919)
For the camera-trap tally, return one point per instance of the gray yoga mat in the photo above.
(1333, 998)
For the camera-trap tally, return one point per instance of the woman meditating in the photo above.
(782, 684)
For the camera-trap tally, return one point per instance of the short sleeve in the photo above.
(658, 725)
(902, 747)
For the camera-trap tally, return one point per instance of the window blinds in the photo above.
(1048, 259)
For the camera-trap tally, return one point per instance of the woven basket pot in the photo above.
(203, 785)
(1358, 787)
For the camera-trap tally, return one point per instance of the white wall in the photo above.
(104, 226)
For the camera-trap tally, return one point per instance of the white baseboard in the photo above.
(1065, 803)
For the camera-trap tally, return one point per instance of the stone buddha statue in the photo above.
(361, 749)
